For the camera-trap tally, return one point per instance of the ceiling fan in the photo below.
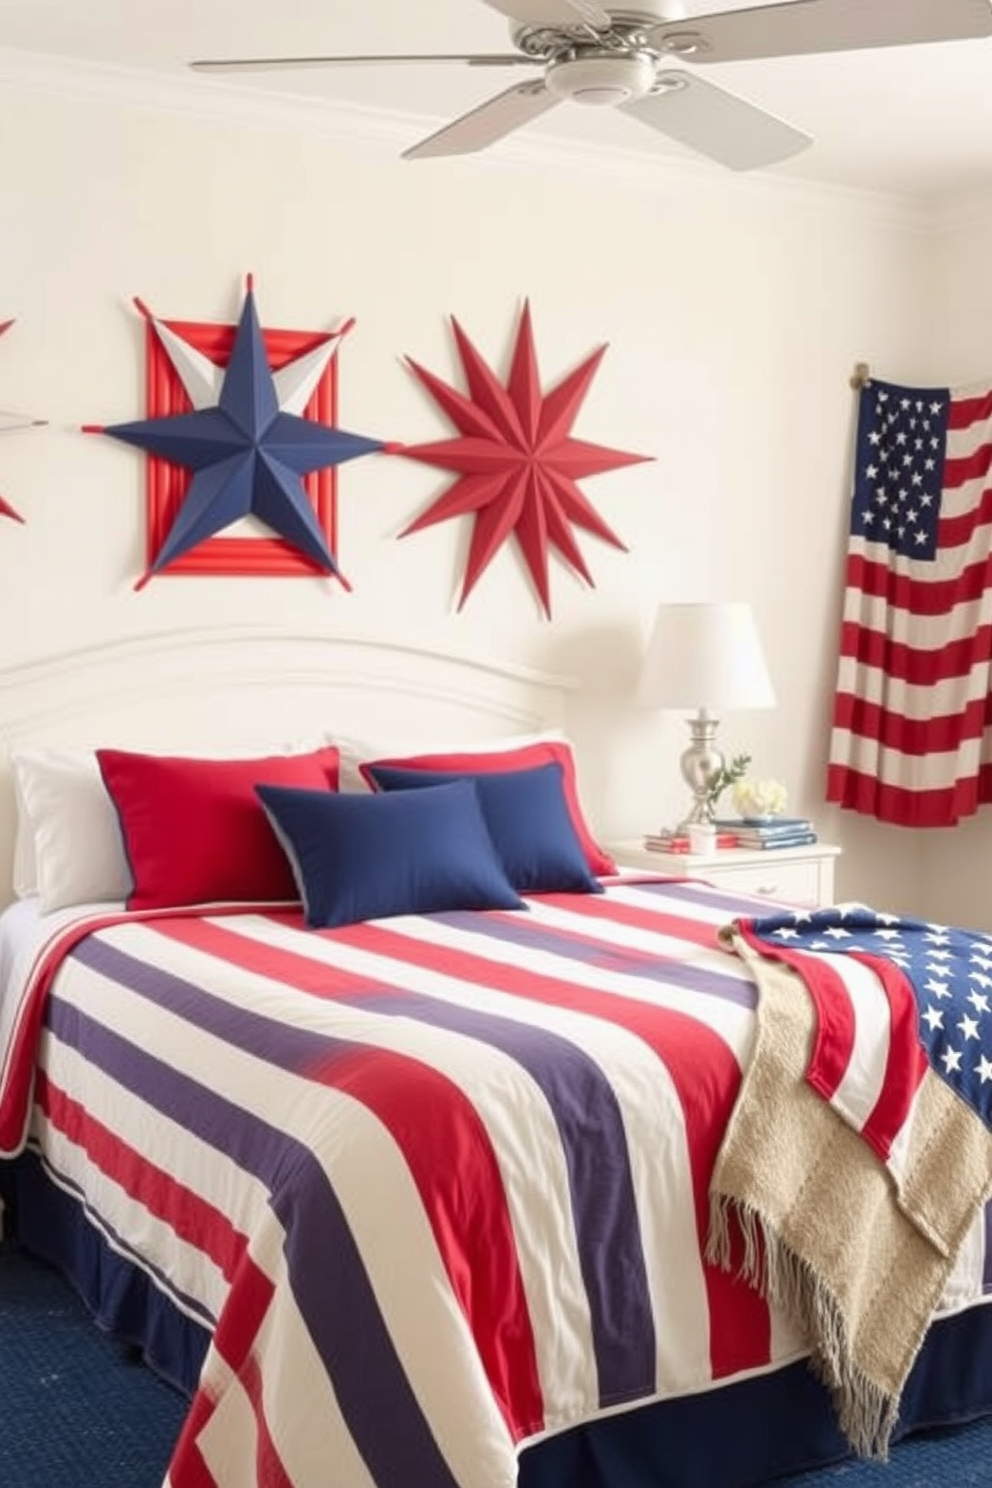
(591, 54)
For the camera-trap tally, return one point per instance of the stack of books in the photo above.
(670, 842)
(770, 831)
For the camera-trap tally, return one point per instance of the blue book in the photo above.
(769, 844)
(766, 826)
(775, 822)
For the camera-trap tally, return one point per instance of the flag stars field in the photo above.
(938, 995)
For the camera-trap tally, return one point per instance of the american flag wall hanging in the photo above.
(911, 742)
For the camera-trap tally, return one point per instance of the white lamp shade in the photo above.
(705, 656)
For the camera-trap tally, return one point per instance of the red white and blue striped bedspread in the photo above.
(439, 1184)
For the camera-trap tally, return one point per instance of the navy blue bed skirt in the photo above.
(738, 1436)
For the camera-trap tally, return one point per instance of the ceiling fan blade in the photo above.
(277, 64)
(716, 123)
(488, 123)
(553, 12)
(802, 27)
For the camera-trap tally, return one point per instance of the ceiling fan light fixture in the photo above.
(602, 79)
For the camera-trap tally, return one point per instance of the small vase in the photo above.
(702, 838)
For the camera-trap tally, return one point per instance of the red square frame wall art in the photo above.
(167, 485)
(241, 422)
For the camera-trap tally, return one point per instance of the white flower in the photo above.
(759, 797)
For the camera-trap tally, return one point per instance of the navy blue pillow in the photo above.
(363, 857)
(528, 820)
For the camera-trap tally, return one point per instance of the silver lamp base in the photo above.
(699, 764)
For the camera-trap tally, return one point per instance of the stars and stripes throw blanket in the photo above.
(859, 1152)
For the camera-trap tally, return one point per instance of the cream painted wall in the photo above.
(957, 884)
(734, 309)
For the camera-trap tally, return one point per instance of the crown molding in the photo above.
(389, 132)
(203, 98)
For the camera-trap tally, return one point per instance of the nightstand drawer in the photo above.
(796, 883)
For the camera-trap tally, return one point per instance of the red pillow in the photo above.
(544, 752)
(194, 830)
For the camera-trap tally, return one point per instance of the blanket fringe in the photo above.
(866, 1414)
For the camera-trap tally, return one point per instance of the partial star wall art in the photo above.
(241, 424)
(9, 421)
(517, 461)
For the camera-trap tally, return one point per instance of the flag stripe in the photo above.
(917, 665)
(905, 1063)
(908, 805)
(857, 1087)
(912, 597)
(937, 734)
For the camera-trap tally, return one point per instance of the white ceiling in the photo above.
(911, 121)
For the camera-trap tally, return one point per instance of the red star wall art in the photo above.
(10, 421)
(241, 423)
(517, 462)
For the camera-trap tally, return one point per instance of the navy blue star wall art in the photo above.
(241, 424)
(10, 421)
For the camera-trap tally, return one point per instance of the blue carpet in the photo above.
(959, 1458)
(78, 1411)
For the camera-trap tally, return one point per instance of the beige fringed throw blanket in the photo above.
(857, 1256)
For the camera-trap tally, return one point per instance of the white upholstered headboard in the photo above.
(241, 687)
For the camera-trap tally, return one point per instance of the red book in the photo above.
(681, 844)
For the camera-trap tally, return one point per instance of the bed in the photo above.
(420, 1191)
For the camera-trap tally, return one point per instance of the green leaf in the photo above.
(726, 777)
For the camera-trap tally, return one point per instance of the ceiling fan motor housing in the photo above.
(602, 79)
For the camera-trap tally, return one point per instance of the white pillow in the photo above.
(69, 848)
(358, 751)
(77, 845)
(25, 872)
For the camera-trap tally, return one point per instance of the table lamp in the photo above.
(707, 657)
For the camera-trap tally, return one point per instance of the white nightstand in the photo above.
(797, 875)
